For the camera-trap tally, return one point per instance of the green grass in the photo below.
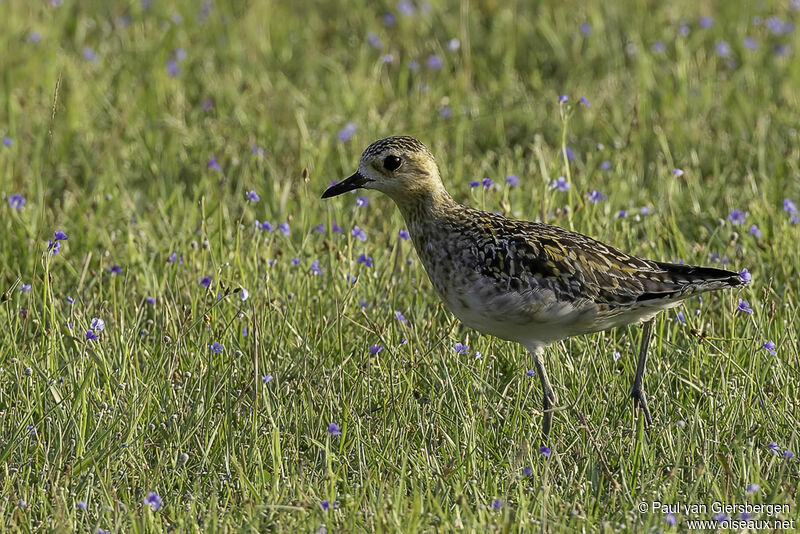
(114, 152)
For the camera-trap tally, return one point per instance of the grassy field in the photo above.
(236, 336)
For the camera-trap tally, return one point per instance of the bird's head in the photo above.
(401, 167)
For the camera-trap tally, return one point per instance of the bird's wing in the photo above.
(575, 267)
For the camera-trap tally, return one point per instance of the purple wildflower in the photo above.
(216, 347)
(320, 228)
(561, 184)
(375, 349)
(54, 246)
(406, 8)
(737, 217)
(388, 20)
(336, 229)
(213, 165)
(82, 505)
(89, 54)
(460, 348)
(58, 235)
(512, 180)
(670, 519)
(584, 101)
(487, 182)
(788, 206)
(496, 504)
(7, 141)
(244, 294)
(585, 28)
(475, 183)
(681, 317)
(400, 317)
(453, 44)
(413, 65)
(527, 471)
(752, 488)
(780, 50)
(284, 228)
(658, 47)
(770, 347)
(265, 225)
(683, 29)
(595, 196)
(327, 505)
(97, 324)
(25, 287)
(153, 500)
(91, 336)
(347, 133)
(720, 517)
(365, 260)
(530, 372)
(295, 261)
(677, 173)
(315, 267)
(750, 43)
(788, 454)
(362, 201)
(403, 234)
(205, 281)
(616, 355)
(776, 26)
(252, 196)
(754, 231)
(723, 49)
(173, 70)
(570, 155)
(373, 40)
(435, 62)
(17, 201)
(358, 233)
(266, 379)
(706, 22)
(622, 214)
(772, 446)
(446, 112)
(207, 104)
(744, 306)
(545, 451)
(115, 269)
(745, 276)
(334, 429)
(563, 99)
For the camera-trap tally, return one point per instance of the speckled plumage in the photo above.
(528, 282)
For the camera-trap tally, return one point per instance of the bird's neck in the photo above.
(425, 208)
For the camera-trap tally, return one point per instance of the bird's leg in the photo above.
(637, 391)
(548, 398)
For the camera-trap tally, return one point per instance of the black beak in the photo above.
(354, 182)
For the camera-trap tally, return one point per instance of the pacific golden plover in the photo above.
(527, 282)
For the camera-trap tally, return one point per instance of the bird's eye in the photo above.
(391, 163)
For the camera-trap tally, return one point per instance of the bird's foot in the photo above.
(640, 402)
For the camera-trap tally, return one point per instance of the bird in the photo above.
(527, 282)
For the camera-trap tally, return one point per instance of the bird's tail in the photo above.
(701, 276)
(681, 281)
